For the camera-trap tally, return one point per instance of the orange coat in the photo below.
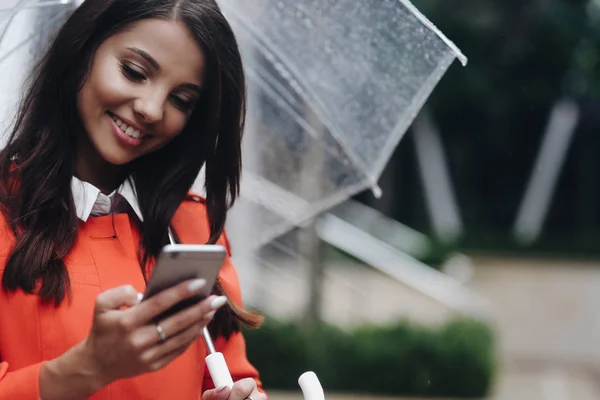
(31, 332)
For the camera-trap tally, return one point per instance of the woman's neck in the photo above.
(104, 177)
(91, 167)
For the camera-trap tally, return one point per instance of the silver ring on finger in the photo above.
(162, 336)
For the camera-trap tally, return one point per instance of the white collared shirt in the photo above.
(90, 201)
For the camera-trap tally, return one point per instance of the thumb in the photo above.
(221, 393)
(116, 298)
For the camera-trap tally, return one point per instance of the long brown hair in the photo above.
(37, 165)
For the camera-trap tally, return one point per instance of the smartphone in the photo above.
(180, 262)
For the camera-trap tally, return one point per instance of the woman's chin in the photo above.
(117, 159)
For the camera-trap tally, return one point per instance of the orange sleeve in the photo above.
(22, 384)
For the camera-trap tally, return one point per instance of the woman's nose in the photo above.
(150, 107)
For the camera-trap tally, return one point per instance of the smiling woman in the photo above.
(130, 101)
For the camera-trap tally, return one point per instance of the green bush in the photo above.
(455, 360)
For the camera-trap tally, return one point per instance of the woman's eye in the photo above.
(183, 104)
(132, 73)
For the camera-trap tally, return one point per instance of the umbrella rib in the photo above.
(462, 58)
(316, 208)
(287, 250)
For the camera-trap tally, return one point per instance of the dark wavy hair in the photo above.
(37, 165)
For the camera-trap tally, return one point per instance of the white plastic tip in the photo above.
(377, 192)
(310, 386)
(218, 370)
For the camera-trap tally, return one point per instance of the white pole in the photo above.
(553, 151)
(439, 194)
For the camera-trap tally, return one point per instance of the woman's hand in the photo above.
(124, 342)
(241, 390)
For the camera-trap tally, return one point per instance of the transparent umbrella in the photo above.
(333, 86)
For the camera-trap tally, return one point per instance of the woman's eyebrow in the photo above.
(145, 56)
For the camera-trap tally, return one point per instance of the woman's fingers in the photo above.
(116, 298)
(217, 394)
(203, 311)
(173, 346)
(241, 390)
(199, 314)
(179, 330)
(256, 395)
(161, 302)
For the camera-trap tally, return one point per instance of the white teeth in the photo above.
(128, 130)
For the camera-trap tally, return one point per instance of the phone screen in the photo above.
(181, 262)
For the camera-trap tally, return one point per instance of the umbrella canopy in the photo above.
(333, 87)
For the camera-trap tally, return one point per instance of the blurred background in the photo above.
(471, 268)
(476, 274)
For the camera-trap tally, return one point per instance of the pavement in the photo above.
(545, 313)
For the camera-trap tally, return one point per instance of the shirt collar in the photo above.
(90, 201)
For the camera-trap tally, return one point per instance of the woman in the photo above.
(131, 100)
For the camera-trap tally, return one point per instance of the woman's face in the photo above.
(140, 91)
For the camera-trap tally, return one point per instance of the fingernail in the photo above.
(218, 302)
(140, 297)
(221, 389)
(196, 285)
(210, 314)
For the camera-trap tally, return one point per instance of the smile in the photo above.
(126, 129)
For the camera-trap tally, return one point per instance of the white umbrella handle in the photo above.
(311, 387)
(308, 381)
(218, 370)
